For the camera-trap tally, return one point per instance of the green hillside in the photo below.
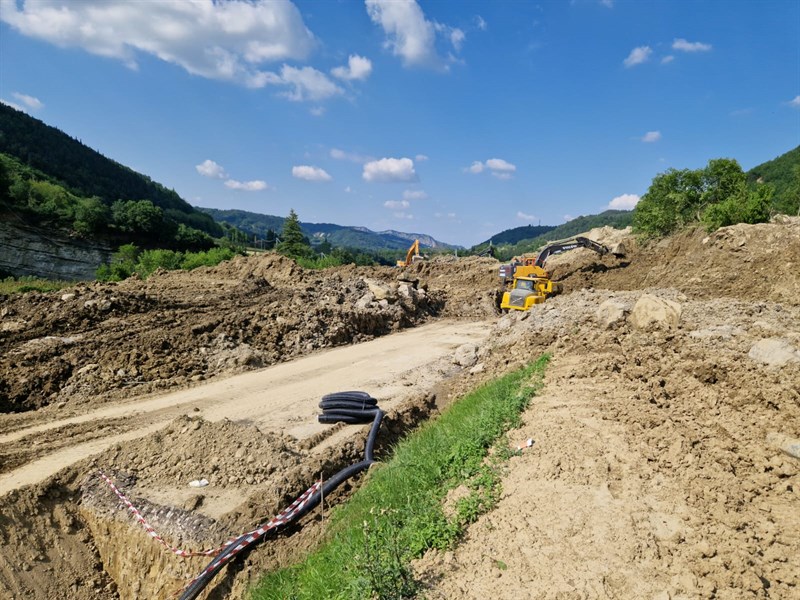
(38, 152)
(783, 173)
(340, 236)
(520, 245)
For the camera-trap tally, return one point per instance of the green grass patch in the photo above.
(399, 512)
(20, 285)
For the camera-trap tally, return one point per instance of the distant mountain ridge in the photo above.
(338, 235)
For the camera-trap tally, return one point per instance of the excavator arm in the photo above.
(578, 242)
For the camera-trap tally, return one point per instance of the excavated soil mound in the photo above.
(657, 468)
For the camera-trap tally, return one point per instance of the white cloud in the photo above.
(218, 40)
(420, 157)
(396, 204)
(795, 102)
(348, 189)
(480, 23)
(339, 154)
(208, 168)
(247, 186)
(307, 83)
(667, 59)
(498, 164)
(29, 101)
(357, 67)
(403, 215)
(475, 167)
(390, 169)
(624, 202)
(409, 34)
(457, 38)
(310, 173)
(651, 136)
(317, 111)
(526, 217)
(607, 3)
(414, 195)
(638, 56)
(497, 167)
(450, 215)
(685, 46)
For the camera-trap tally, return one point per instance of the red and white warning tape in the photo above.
(249, 537)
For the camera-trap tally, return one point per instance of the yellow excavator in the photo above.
(530, 281)
(412, 255)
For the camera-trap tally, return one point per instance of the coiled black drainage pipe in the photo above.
(348, 407)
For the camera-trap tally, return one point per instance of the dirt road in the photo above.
(280, 398)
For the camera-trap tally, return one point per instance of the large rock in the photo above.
(775, 352)
(651, 312)
(466, 355)
(610, 313)
(381, 290)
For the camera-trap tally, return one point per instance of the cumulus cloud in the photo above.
(357, 67)
(218, 40)
(498, 167)
(526, 217)
(638, 56)
(414, 195)
(310, 173)
(686, 46)
(247, 186)
(651, 136)
(390, 169)
(409, 34)
(306, 83)
(340, 154)
(795, 102)
(475, 167)
(208, 168)
(396, 204)
(29, 101)
(624, 202)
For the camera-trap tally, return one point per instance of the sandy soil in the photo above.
(659, 467)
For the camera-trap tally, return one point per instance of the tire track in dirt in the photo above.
(282, 397)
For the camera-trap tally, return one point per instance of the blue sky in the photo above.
(455, 119)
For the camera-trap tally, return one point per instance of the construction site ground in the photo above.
(661, 464)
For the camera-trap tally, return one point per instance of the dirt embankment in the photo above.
(655, 473)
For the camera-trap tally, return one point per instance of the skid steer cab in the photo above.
(527, 291)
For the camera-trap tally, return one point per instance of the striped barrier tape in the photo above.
(249, 537)
(245, 540)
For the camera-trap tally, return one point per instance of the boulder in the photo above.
(610, 313)
(775, 352)
(466, 355)
(656, 313)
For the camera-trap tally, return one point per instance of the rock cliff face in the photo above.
(41, 253)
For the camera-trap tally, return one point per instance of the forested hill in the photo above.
(517, 241)
(86, 172)
(266, 226)
(782, 172)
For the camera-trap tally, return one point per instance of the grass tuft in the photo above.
(398, 514)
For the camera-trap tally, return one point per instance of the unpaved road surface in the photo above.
(282, 398)
(659, 468)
